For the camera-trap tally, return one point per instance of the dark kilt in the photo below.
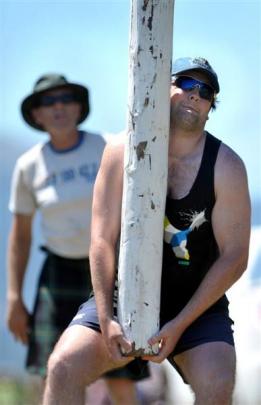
(64, 284)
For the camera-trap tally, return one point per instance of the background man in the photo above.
(56, 178)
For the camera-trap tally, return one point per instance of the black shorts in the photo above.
(209, 327)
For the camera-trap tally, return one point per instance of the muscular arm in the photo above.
(231, 226)
(105, 230)
(17, 258)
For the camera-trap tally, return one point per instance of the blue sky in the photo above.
(88, 42)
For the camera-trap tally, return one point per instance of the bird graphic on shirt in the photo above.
(178, 238)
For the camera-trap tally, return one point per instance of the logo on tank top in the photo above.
(178, 239)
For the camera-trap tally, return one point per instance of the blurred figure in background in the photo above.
(56, 178)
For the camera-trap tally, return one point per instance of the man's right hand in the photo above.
(18, 320)
(117, 345)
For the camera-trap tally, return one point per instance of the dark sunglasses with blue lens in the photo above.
(187, 83)
(48, 100)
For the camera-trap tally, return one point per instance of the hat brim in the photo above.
(29, 103)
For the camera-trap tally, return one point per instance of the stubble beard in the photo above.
(185, 120)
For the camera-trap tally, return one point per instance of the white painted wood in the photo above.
(145, 170)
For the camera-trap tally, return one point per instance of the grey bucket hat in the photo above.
(182, 65)
(52, 82)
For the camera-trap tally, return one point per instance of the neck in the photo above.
(183, 144)
(61, 140)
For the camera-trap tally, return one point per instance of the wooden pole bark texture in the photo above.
(145, 171)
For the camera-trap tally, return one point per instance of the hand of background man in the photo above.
(18, 320)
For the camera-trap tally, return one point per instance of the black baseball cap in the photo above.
(183, 65)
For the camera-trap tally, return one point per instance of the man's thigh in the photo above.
(83, 352)
(210, 364)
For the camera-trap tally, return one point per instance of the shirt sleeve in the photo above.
(22, 199)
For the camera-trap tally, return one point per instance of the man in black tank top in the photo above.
(206, 240)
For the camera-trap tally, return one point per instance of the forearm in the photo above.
(102, 260)
(221, 276)
(17, 316)
(17, 258)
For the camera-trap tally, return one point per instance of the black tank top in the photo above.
(189, 244)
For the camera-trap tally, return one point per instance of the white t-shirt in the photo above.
(60, 185)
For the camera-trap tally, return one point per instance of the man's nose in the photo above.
(58, 103)
(194, 93)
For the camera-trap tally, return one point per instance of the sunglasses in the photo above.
(188, 83)
(48, 101)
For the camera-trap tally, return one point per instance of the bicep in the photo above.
(231, 213)
(106, 209)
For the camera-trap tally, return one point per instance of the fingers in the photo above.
(18, 321)
(162, 355)
(119, 348)
(19, 328)
(23, 337)
(21, 334)
(166, 344)
(155, 339)
(117, 344)
(125, 345)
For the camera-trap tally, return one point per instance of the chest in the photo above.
(58, 179)
(182, 174)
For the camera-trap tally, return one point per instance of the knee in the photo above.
(215, 392)
(57, 369)
(61, 369)
(223, 390)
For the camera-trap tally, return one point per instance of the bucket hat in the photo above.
(182, 65)
(52, 82)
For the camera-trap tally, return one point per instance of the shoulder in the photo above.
(228, 159)
(94, 138)
(31, 156)
(110, 175)
(113, 155)
(114, 150)
(230, 170)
